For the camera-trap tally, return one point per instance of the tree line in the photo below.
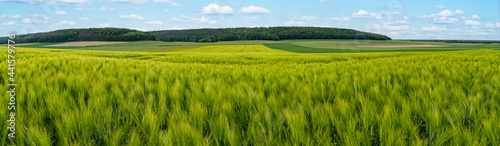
(195, 35)
(263, 33)
(90, 34)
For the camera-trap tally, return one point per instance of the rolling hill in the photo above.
(195, 35)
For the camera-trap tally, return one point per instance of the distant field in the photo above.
(245, 49)
(83, 44)
(390, 45)
(358, 46)
(155, 46)
(297, 46)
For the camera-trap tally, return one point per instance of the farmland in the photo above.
(295, 92)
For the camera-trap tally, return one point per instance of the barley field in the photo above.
(254, 95)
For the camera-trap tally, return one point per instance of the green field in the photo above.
(297, 46)
(297, 92)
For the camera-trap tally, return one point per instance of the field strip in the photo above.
(231, 49)
(83, 43)
(390, 45)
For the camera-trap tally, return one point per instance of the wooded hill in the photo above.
(90, 34)
(263, 33)
(195, 35)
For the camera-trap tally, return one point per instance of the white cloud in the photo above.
(107, 9)
(37, 18)
(3, 16)
(132, 16)
(390, 27)
(29, 20)
(434, 28)
(61, 13)
(73, 1)
(176, 28)
(401, 22)
(439, 6)
(84, 19)
(175, 4)
(295, 23)
(167, 2)
(104, 25)
(67, 23)
(103, 9)
(193, 20)
(472, 22)
(475, 17)
(161, 1)
(445, 13)
(392, 33)
(216, 9)
(251, 18)
(419, 6)
(166, 11)
(254, 9)
(40, 16)
(338, 19)
(15, 16)
(305, 18)
(158, 22)
(469, 32)
(9, 23)
(59, 2)
(445, 20)
(365, 14)
(491, 25)
(130, 1)
(324, 0)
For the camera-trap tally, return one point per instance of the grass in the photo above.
(254, 95)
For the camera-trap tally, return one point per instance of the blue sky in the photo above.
(399, 19)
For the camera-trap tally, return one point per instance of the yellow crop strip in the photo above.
(231, 49)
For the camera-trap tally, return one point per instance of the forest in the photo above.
(90, 34)
(195, 35)
(263, 33)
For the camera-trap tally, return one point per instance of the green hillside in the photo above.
(195, 35)
(264, 33)
(89, 34)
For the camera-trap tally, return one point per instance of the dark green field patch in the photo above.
(322, 48)
(301, 49)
